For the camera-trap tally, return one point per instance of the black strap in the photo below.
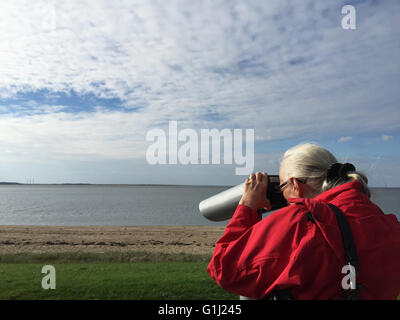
(347, 237)
(350, 251)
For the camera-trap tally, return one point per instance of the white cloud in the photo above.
(344, 139)
(386, 138)
(61, 135)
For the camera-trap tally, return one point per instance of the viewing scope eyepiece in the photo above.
(222, 206)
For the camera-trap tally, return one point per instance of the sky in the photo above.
(83, 82)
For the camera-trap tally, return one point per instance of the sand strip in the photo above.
(168, 239)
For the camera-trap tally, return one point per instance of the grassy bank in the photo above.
(132, 275)
(106, 257)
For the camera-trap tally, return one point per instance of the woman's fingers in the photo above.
(251, 178)
(258, 177)
(254, 193)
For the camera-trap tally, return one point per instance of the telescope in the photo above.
(222, 206)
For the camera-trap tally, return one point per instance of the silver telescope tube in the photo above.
(222, 206)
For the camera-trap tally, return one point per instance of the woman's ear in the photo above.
(297, 187)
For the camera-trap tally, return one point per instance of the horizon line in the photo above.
(134, 184)
(112, 184)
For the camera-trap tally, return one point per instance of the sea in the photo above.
(124, 205)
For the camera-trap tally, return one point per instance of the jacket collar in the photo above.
(327, 196)
(354, 187)
(346, 191)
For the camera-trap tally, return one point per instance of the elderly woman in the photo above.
(301, 251)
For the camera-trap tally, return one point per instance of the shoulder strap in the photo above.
(347, 237)
(350, 250)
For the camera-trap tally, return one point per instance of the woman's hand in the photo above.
(255, 190)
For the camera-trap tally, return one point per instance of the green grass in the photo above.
(107, 257)
(109, 276)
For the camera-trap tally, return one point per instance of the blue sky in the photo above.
(82, 82)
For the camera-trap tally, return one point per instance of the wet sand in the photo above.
(167, 239)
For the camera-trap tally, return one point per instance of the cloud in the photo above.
(103, 134)
(386, 138)
(344, 139)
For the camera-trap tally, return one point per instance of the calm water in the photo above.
(123, 205)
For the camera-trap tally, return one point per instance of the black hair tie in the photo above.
(339, 171)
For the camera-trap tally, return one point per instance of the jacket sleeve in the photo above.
(244, 262)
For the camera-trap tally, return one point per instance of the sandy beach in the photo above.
(167, 239)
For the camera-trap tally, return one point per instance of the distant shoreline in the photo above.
(135, 185)
(113, 184)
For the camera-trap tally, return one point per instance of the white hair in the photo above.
(310, 161)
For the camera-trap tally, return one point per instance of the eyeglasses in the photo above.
(281, 186)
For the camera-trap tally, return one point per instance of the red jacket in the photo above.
(287, 250)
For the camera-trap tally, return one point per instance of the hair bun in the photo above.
(339, 171)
